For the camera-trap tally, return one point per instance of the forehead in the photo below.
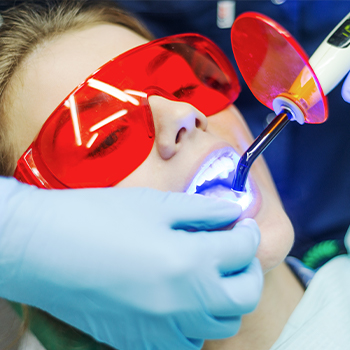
(54, 69)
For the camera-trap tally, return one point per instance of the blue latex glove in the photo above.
(345, 91)
(119, 265)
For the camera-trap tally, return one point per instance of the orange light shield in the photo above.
(273, 64)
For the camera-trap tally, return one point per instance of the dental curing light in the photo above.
(279, 74)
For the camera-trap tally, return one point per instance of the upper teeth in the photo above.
(220, 168)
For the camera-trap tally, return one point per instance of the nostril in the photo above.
(183, 130)
(178, 135)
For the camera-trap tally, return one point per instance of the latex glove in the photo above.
(345, 91)
(119, 264)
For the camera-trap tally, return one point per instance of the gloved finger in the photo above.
(225, 327)
(198, 212)
(345, 91)
(147, 331)
(232, 250)
(242, 290)
(207, 326)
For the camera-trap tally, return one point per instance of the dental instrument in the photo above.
(279, 74)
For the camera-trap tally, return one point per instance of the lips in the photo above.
(215, 175)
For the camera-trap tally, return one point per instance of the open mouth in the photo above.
(214, 178)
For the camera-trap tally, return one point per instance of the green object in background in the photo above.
(320, 253)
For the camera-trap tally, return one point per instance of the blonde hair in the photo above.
(28, 25)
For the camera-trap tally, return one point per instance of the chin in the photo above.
(277, 238)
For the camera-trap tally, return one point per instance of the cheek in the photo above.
(22, 131)
(146, 175)
(230, 126)
(27, 107)
(155, 173)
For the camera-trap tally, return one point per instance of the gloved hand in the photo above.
(345, 91)
(126, 266)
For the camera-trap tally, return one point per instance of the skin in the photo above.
(184, 139)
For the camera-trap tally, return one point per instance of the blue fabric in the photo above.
(310, 163)
(303, 273)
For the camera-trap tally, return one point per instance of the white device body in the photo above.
(331, 63)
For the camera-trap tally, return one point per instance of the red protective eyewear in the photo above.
(104, 129)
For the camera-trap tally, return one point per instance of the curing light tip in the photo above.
(257, 147)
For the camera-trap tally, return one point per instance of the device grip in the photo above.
(331, 60)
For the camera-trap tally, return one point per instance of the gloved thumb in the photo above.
(197, 212)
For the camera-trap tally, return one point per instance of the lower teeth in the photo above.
(220, 191)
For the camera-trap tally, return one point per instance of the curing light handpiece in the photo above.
(304, 99)
(257, 147)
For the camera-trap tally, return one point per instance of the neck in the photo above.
(261, 328)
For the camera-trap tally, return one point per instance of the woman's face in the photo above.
(186, 141)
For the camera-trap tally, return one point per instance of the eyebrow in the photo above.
(73, 109)
(157, 62)
(112, 91)
(66, 114)
(108, 120)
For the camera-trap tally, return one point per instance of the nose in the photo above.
(175, 124)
